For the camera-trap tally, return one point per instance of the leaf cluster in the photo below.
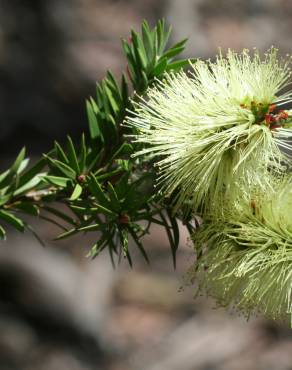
(99, 186)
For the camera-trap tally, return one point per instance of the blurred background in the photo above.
(58, 310)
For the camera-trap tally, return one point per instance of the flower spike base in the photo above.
(246, 255)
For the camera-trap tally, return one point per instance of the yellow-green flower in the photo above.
(210, 129)
(245, 256)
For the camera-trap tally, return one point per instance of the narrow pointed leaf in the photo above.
(97, 191)
(33, 171)
(76, 192)
(29, 185)
(60, 214)
(64, 168)
(2, 232)
(18, 161)
(83, 151)
(28, 208)
(92, 121)
(60, 153)
(160, 67)
(173, 52)
(73, 161)
(113, 198)
(179, 64)
(22, 166)
(12, 220)
(57, 180)
(139, 244)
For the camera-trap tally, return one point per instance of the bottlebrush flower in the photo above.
(245, 256)
(209, 129)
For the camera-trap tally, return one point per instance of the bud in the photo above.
(81, 179)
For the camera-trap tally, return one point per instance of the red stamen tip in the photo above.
(269, 119)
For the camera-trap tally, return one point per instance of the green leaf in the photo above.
(54, 222)
(98, 247)
(28, 208)
(108, 175)
(139, 244)
(12, 220)
(73, 161)
(23, 165)
(2, 233)
(112, 83)
(14, 168)
(144, 81)
(173, 52)
(10, 179)
(122, 186)
(64, 168)
(104, 98)
(113, 198)
(57, 180)
(124, 236)
(162, 36)
(124, 149)
(83, 152)
(111, 135)
(5, 198)
(180, 44)
(76, 192)
(59, 214)
(93, 227)
(124, 164)
(31, 229)
(140, 56)
(60, 153)
(172, 242)
(92, 160)
(3, 176)
(66, 234)
(179, 64)
(106, 211)
(33, 171)
(29, 185)
(160, 67)
(175, 229)
(92, 121)
(124, 90)
(97, 191)
(133, 66)
(115, 107)
(147, 40)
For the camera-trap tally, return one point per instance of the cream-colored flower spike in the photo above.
(211, 128)
(244, 256)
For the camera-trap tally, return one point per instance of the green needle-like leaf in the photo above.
(76, 192)
(12, 220)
